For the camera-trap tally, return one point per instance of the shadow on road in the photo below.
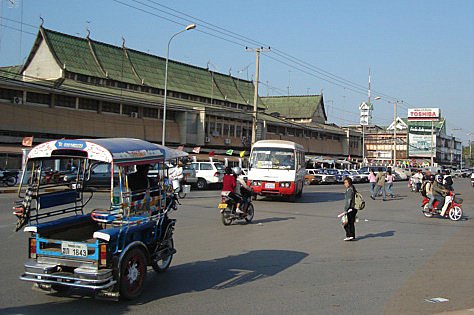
(381, 234)
(215, 274)
(274, 219)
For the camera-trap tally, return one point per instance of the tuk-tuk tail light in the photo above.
(103, 254)
(32, 252)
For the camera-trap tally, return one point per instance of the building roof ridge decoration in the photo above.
(217, 85)
(134, 70)
(94, 55)
(240, 93)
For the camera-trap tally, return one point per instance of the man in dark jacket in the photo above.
(438, 193)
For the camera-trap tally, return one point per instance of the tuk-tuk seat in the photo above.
(54, 199)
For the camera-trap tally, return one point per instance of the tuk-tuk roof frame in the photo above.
(120, 151)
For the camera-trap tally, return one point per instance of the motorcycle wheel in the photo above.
(163, 264)
(250, 213)
(226, 220)
(10, 181)
(426, 211)
(455, 213)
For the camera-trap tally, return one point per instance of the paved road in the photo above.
(290, 260)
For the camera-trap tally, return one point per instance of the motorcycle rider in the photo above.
(448, 181)
(417, 178)
(242, 190)
(439, 192)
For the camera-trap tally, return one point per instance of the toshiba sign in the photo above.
(423, 114)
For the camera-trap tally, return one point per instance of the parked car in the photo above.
(208, 173)
(338, 175)
(312, 177)
(354, 175)
(326, 177)
(99, 177)
(363, 176)
(189, 174)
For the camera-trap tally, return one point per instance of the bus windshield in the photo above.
(273, 158)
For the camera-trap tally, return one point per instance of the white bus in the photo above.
(277, 168)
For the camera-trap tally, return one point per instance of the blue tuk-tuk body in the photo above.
(106, 249)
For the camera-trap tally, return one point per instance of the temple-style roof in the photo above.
(297, 107)
(84, 56)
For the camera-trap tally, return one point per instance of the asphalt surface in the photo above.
(291, 259)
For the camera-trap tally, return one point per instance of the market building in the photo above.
(73, 87)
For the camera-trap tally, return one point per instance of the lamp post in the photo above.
(189, 27)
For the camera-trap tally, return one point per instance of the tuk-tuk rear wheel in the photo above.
(132, 274)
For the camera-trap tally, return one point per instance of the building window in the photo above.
(238, 131)
(96, 81)
(110, 107)
(170, 115)
(150, 112)
(82, 78)
(128, 110)
(65, 101)
(69, 75)
(226, 130)
(88, 104)
(122, 85)
(272, 129)
(212, 127)
(157, 91)
(219, 128)
(299, 132)
(38, 98)
(231, 130)
(8, 94)
(145, 89)
(110, 83)
(290, 131)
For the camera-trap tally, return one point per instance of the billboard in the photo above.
(423, 114)
(420, 141)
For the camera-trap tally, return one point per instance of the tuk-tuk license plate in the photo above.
(74, 249)
(270, 185)
(222, 205)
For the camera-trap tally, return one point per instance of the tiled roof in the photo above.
(303, 106)
(92, 58)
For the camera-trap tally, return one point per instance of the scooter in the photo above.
(451, 208)
(9, 178)
(228, 210)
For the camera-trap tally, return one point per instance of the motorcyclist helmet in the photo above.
(439, 179)
(237, 170)
(432, 178)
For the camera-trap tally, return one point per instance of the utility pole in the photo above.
(257, 50)
(432, 144)
(394, 133)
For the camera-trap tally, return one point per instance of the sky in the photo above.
(420, 53)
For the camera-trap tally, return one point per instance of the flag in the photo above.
(242, 154)
(197, 149)
(349, 158)
(180, 148)
(229, 152)
(27, 141)
(212, 153)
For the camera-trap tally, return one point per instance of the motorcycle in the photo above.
(451, 208)
(9, 178)
(228, 210)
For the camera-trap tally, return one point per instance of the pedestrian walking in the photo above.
(349, 210)
(380, 185)
(389, 184)
(372, 181)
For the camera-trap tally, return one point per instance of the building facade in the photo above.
(71, 87)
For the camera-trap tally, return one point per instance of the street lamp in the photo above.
(189, 27)
(394, 129)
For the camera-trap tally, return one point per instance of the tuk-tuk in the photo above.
(76, 242)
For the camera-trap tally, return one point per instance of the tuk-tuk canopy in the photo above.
(108, 150)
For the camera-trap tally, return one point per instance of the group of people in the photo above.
(236, 188)
(381, 183)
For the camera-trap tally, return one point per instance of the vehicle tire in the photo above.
(250, 213)
(426, 212)
(307, 182)
(455, 213)
(225, 219)
(10, 181)
(132, 274)
(201, 184)
(163, 264)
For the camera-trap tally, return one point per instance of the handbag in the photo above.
(344, 220)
